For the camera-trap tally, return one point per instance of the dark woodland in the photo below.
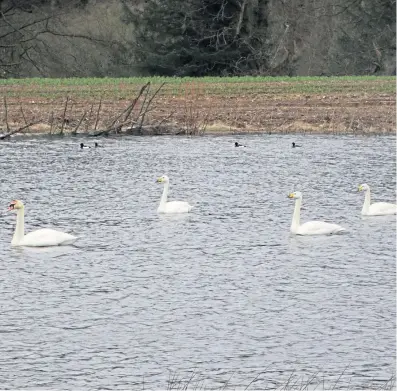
(123, 38)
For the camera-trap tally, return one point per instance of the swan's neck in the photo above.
(163, 198)
(20, 227)
(296, 216)
(367, 201)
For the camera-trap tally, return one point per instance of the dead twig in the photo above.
(70, 112)
(18, 130)
(51, 121)
(145, 87)
(63, 117)
(126, 112)
(6, 115)
(97, 113)
(78, 125)
(166, 118)
(195, 123)
(142, 105)
(148, 106)
(23, 113)
(89, 117)
(113, 128)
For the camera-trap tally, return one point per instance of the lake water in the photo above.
(223, 296)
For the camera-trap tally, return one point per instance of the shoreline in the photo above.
(328, 105)
(212, 133)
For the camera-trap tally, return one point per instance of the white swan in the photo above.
(377, 208)
(172, 206)
(40, 238)
(311, 227)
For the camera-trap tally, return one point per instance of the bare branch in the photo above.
(23, 114)
(129, 109)
(148, 104)
(63, 117)
(18, 130)
(6, 114)
(78, 125)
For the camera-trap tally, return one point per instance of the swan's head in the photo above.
(163, 179)
(295, 194)
(363, 187)
(15, 205)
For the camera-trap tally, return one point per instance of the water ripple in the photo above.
(223, 297)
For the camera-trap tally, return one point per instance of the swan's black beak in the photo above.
(11, 207)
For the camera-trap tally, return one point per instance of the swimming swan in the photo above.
(377, 208)
(40, 238)
(172, 206)
(311, 227)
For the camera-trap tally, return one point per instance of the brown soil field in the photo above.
(197, 108)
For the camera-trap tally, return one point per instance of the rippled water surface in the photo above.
(224, 293)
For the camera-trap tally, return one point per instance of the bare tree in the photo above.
(25, 26)
(196, 37)
(294, 37)
(331, 37)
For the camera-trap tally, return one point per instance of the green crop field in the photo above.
(125, 88)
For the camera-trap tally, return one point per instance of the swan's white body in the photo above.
(311, 227)
(40, 238)
(377, 208)
(171, 206)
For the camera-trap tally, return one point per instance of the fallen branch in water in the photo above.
(145, 111)
(4, 136)
(146, 87)
(115, 125)
(79, 123)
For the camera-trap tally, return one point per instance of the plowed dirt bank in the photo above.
(196, 109)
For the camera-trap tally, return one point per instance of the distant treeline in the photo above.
(119, 38)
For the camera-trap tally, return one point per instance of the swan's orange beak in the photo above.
(290, 195)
